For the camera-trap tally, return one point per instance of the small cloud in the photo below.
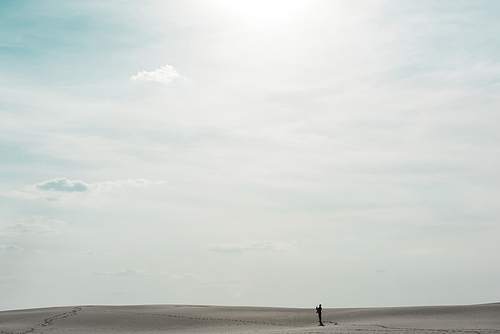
(25, 229)
(63, 184)
(10, 249)
(254, 246)
(164, 74)
(380, 271)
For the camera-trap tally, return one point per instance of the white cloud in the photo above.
(164, 74)
(25, 229)
(254, 246)
(124, 183)
(63, 184)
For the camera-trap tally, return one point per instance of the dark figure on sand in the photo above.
(318, 310)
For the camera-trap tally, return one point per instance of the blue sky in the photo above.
(274, 153)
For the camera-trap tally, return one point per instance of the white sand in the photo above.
(218, 319)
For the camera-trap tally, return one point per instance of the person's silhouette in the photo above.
(318, 310)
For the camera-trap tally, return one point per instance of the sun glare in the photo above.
(259, 12)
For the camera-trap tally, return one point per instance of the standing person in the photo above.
(318, 310)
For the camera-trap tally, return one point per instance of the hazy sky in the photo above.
(273, 153)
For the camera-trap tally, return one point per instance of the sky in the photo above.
(260, 153)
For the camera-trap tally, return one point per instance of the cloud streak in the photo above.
(133, 272)
(163, 74)
(27, 229)
(253, 246)
(57, 188)
(92, 253)
(109, 185)
(65, 185)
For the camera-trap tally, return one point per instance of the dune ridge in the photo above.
(483, 318)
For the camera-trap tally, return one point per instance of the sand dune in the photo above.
(218, 319)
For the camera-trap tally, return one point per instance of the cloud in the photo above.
(164, 74)
(48, 221)
(219, 283)
(124, 183)
(63, 184)
(62, 188)
(24, 229)
(380, 271)
(123, 272)
(254, 246)
(10, 249)
(133, 272)
(425, 251)
(12, 280)
(92, 253)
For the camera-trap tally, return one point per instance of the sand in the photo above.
(222, 319)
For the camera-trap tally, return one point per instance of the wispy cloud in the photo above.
(425, 251)
(60, 187)
(254, 246)
(65, 185)
(13, 280)
(10, 249)
(92, 253)
(124, 183)
(164, 74)
(133, 272)
(25, 229)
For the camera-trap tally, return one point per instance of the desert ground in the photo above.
(224, 319)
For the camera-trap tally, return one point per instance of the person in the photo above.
(318, 310)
